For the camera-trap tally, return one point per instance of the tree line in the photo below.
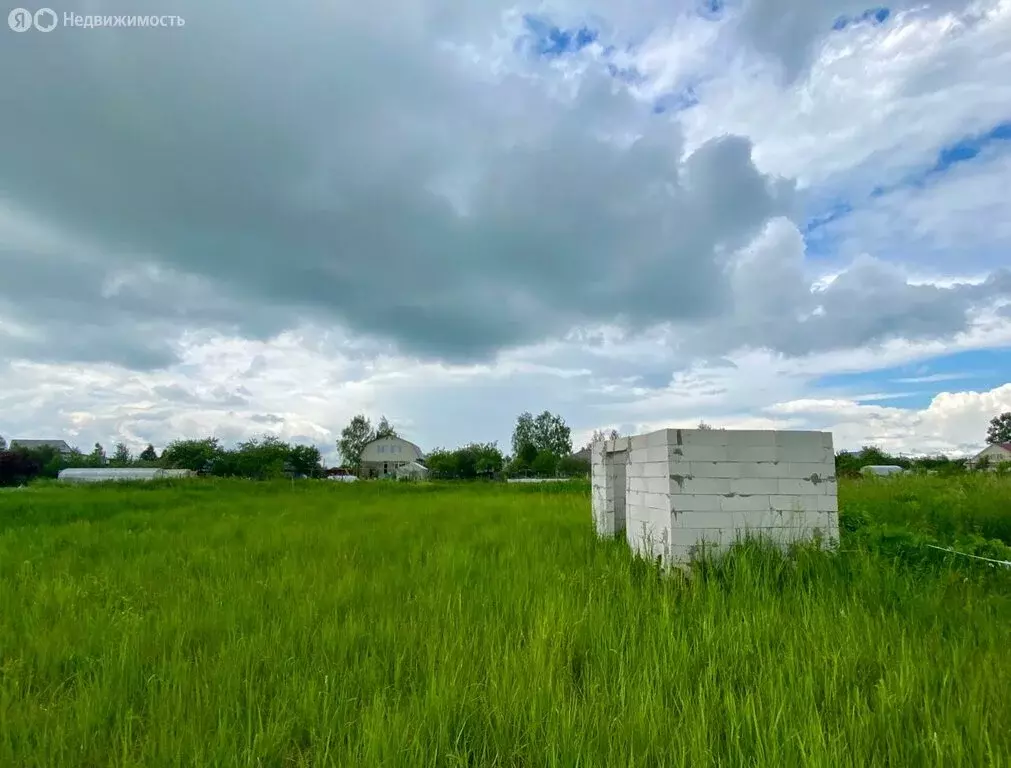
(260, 458)
(541, 447)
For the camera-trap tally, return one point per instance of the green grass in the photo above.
(230, 623)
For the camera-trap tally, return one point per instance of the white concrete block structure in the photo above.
(678, 492)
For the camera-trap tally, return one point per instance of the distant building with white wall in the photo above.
(384, 456)
(677, 491)
(994, 454)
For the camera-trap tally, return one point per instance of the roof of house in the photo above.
(59, 445)
(583, 455)
(396, 438)
(1006, 447)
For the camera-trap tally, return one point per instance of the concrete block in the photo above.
(658, 485)
(751, 437)
(701, 520)
(745, 503)
(648, 500)
(720, 538)
(657, 453)
(656, 469)
(637, 455)
(795, 502)
(691, 502)
(760, 470)
(799, 454)
(792, 438)
(699, 453)
(719, 469)
(753, 453)
(658, 438)
(699, 437)
(673, 489)
(754, 486)
(700, 485)
(620, 444)
(683, 536)
(801, 470)
(637, 484)
(792, 487)
(828, 503)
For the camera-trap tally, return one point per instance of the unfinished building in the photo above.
(677, 492)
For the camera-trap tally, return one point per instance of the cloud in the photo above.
(385, 186)
(414, 208)
(305, 391)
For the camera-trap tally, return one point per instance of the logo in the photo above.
(20, 20)
(45, 19)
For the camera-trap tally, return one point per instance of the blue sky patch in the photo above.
(676, 102)
(978, 370)
(873, 16)
(551, 41)
(823, 213)
(968, 148)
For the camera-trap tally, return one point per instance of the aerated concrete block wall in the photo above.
(676, 491)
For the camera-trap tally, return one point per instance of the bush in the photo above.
(17, 468)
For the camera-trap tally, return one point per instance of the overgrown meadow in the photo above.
(217, 623)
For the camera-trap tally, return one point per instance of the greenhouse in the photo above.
(107, 474)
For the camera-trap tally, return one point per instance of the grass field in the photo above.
(231, 623)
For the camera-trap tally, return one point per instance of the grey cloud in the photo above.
(869, 302)
(266, 418)
(337, 166)
(293, 168)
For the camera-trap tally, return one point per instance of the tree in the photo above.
(97, 456)
(545, 464)
(547, 432)
(148, 454)
(999, 430)
(573, 466)
(258, 458)
(121, 457)
(523, 434)
(354, 437)
(703, 425)
(551, 434)
(195, 455)
(384, 429)
(306, 460)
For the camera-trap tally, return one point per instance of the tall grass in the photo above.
(231, 623)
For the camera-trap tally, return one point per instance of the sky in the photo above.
(757, 213)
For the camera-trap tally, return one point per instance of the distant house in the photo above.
(60, 446)
(382, 457)
(996, 453)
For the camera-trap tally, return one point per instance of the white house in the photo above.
(382, 457)
(997, 453)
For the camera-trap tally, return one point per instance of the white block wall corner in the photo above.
(609, 487)
(686, 490)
